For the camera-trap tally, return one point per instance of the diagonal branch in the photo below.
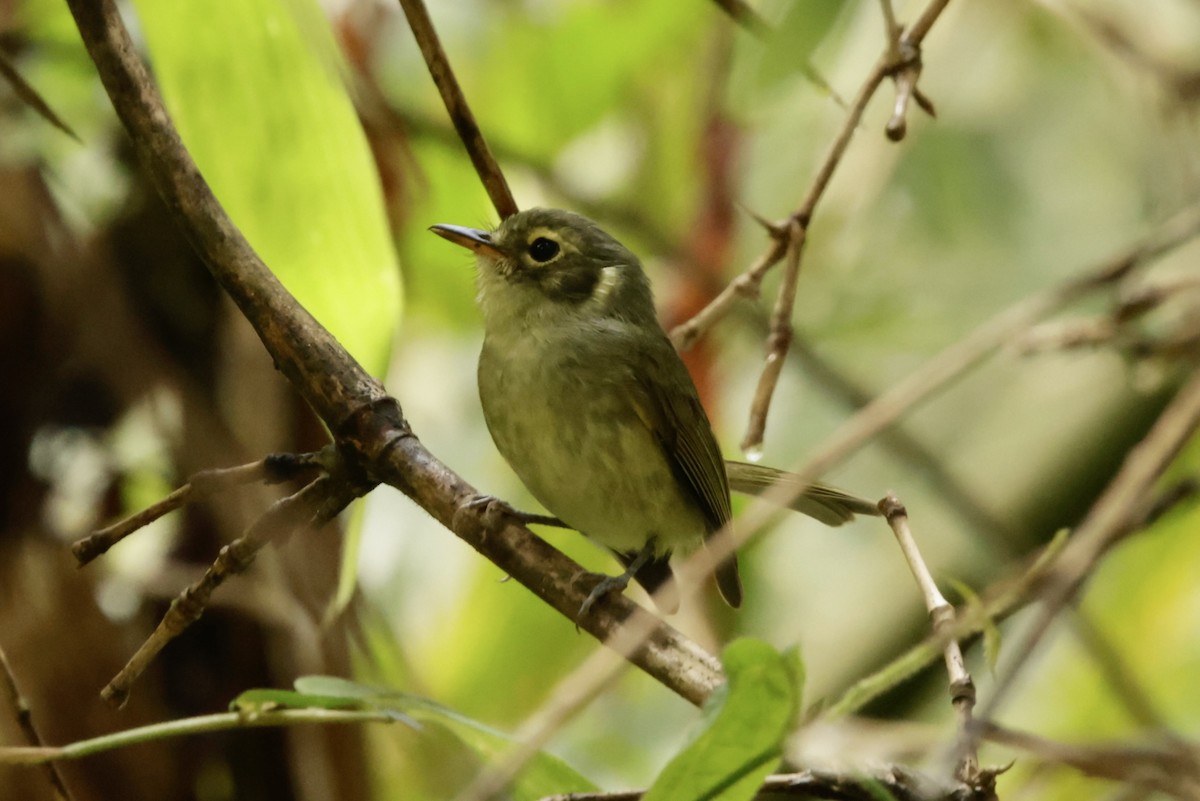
(316, 504)
(899, 60)
(11, 697)
(456, 106)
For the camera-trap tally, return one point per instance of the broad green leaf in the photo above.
(747, 723)
(545, 775)
(255, 91)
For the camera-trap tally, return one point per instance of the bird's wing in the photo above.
(673, 414)
(830, 505)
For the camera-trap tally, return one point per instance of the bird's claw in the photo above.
(606, 585)
(495, 507)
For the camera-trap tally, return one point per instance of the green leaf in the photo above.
(254, 88)
(545, 774)
(747, 723)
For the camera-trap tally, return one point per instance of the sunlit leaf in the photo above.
(255, 91)
(742, 743)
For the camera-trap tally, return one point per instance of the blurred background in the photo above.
(1066, 131)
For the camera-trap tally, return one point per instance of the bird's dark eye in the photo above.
(543, 250)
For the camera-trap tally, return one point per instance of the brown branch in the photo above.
(748, 283)
(11, 696)
(270, 469)
(316, 504)
(900, 60)
(456, 106)
(369, 426)
(779, 340)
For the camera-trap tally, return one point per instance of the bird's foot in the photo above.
(619, 582)
(494, 508)
(606, 585)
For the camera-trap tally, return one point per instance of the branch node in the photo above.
(891, 508)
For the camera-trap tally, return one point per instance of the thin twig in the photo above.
(962, 688)
(891, 29)
(1108, 520)
(998, 602)
(779, 340)
(747, 284)
(21, 712)
(901, 59)
(270, 469)
(314, 505)
(202, 724)
(456, 106)
(32, 98)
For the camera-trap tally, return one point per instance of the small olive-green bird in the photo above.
(587, 400)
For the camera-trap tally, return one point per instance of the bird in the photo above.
(588, 401)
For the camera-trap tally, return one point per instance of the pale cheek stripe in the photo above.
(610, 276)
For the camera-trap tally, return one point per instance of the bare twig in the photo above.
(906, 71)
(779, 340)
(962, 688)
(901, 60)
(19, 708)
(270, 469)
(456, 106)
(747, 284)
(1124, 500)
(315, 505)
(31, 97)
(1002, 599)
(891, 29)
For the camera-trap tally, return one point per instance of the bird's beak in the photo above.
(470, 238)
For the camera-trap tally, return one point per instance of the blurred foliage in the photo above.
(1065, 131)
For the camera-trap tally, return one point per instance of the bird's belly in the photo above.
(583, 452)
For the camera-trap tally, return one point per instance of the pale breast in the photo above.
(569, 431)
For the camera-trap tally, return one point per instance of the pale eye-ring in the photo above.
(543, 250)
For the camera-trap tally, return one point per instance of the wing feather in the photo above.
(672, 412)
